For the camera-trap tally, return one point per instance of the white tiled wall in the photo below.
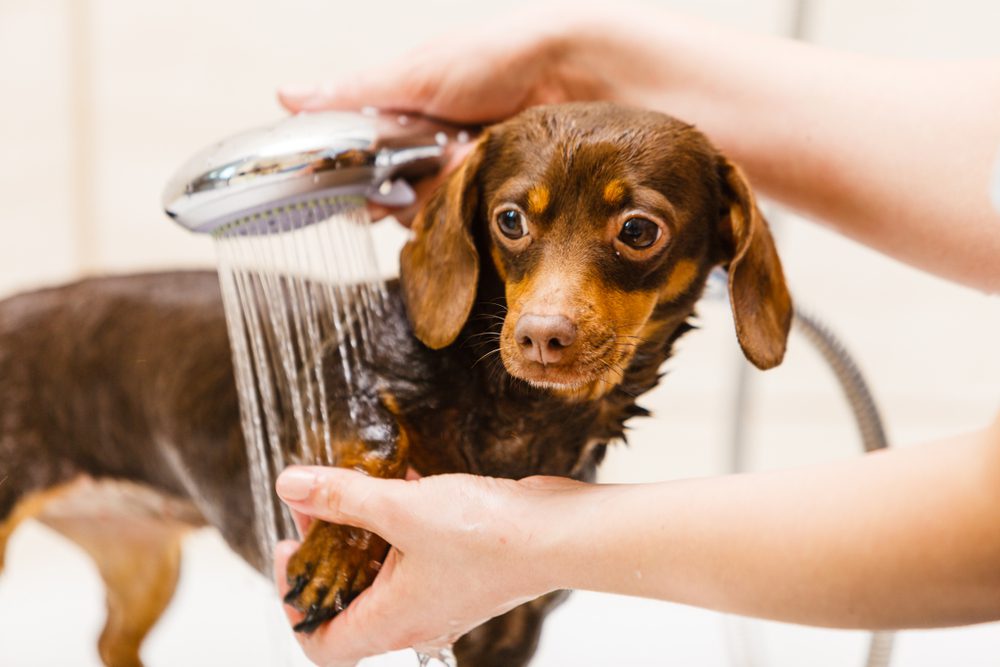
(101, 99)
(36, 143)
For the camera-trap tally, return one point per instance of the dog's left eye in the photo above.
(639, 233)
(511, 224)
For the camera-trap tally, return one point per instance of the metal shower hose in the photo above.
(867, 418)
(859, 397)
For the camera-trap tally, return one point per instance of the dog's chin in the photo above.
(565, 381)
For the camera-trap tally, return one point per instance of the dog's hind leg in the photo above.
(134, 537)
(9, 518)
(138, 558)
(16, 508)
(140, 568)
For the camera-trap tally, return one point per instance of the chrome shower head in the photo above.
(249, 181)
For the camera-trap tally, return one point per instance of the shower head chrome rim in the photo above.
(328, 156)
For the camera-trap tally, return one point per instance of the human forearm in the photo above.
(900, 539)
(896, 154)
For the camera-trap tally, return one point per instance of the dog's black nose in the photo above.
(544, 338)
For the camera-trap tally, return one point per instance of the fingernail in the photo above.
(295, 484)
(298, 91)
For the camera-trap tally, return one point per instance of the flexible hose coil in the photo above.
(848, 375)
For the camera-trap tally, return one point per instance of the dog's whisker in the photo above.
(637, 339)
(613, 368)
(491, 352)
(615, 371)
(494, 334)
(488, 316)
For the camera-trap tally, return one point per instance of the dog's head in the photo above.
(602, 222)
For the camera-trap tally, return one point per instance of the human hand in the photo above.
(465, 549)
(487, 73)
(476, 74)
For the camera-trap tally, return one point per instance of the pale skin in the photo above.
(896, 154)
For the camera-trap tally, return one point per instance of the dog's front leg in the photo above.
(335, 563)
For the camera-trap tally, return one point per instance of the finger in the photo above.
(426, 186)
(390, 87)
(377, 211)
(422, 188)
(339, 495)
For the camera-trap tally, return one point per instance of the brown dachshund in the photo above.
(546, 284)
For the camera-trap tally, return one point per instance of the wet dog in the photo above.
(545, 285)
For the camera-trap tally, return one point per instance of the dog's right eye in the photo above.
(512, 224)
(639, 233)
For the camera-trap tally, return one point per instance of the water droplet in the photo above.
(445, 656)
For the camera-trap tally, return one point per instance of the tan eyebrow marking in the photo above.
(538, 200)
(614, 191)
(683, 274)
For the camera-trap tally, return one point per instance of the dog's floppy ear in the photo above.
(762, 307)
(439, 267)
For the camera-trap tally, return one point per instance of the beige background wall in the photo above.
(102, 99)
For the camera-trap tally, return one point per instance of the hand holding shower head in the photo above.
(343, 158)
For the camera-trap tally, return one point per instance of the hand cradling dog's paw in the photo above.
(331, 568)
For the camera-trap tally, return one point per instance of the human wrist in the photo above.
(591, 53)
(647, 57)
(542, 509)
(573, 532)
(635, 54)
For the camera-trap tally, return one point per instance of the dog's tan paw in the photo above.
(331, 568)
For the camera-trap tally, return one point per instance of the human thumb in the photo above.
(343, 496)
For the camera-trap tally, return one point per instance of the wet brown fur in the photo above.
(129, 381)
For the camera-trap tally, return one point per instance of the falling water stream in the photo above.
(302, 294)
(296, 283)
(445, 656)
